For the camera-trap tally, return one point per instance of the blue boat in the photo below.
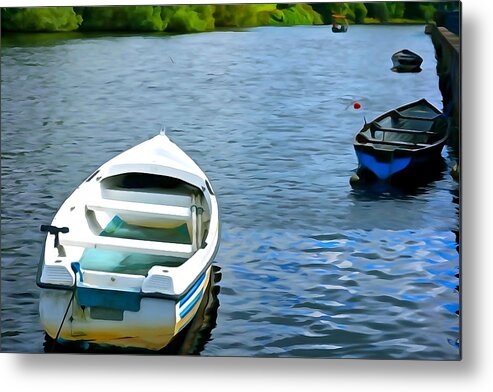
(402, 141)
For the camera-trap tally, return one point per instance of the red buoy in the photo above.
(357, 105)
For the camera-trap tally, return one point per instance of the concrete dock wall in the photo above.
(447, 52)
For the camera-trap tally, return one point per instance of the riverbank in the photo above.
(394, 21)
(198, 18)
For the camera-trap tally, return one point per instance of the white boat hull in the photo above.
(133, 266)
(152, 327)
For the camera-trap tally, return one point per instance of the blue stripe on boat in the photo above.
(192, 303)
(193, 289)
(383, 170)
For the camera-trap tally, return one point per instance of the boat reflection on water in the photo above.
(190, 341)
(193, 339)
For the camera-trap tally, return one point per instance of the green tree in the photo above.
(244, 15)
(191, 19)
(131, 18)
(40, 19)
(396, 9)
(378, 11)
(359, 11)
(428, 11)
(412, 10)
(297, 14)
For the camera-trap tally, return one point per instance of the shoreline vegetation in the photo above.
(201, 18)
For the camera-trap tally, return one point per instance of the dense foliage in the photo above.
(195, 18)
(40, 19)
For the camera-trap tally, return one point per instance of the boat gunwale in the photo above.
(421, 148)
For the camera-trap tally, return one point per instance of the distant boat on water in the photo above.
(339, 24)
(406, 61)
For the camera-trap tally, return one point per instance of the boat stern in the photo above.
(384, 166)
(105, 321)
(111, 309)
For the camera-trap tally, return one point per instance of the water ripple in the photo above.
(310, 267)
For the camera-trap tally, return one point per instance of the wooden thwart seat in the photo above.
(364, 139)
(129, 207)
(398, 114)
(129, 246)
(398, 143)
(150, 196)
(376, 127)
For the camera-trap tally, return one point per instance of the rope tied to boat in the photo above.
(77, 271)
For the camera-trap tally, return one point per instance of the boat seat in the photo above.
(396, 113)
(401, 130)
(362, 139)
(129, 207)
(152, 196)
(129, 246)
(396, 143)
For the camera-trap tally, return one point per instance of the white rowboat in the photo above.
(128, 255)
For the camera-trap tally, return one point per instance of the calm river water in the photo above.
(308, 266)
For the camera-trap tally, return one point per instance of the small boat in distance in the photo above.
(128, 255)
(406, 61)
(339, 24)
(403, 140)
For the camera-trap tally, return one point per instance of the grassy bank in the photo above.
(393, 21)
(197, 18)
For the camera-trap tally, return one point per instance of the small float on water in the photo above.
(402, 140)
(129, 254)
(339, 24)
(406, 61)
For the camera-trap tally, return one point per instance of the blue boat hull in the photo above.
(388, 164)
(383, 170)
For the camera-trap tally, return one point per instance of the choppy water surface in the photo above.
(309, 267)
